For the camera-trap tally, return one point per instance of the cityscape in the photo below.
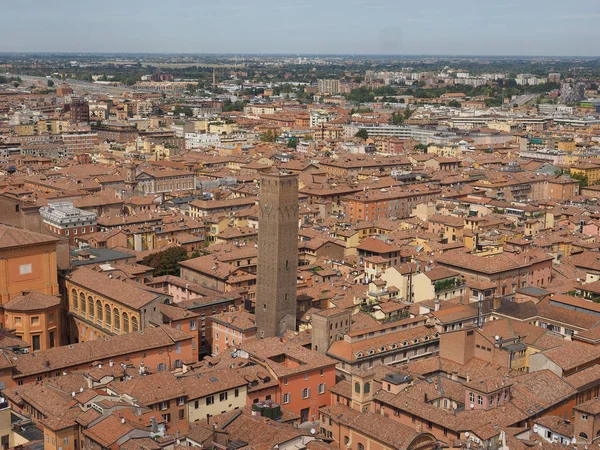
(386, 244)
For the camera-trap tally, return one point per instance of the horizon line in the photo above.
(296, 54)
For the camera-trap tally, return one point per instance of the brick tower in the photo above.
(277, 255)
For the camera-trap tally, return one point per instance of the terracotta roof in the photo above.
(16, 237)
(270, 350)
(128, 294)
(31, 301)
(211, 382)
(97, 350)
(377, 427)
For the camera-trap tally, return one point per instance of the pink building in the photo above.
(232, 329)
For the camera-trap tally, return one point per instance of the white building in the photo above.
(201, 140)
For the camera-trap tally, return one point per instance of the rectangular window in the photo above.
(180, 401)
(193, 325)
(164, 405)
(223, 396)
(286, 398)
(322, 388)
(182, 414)
(237, 392)
(35, 320)
(36, 342)
(306, 393)
(210, 400)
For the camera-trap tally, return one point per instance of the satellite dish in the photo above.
(467, 434)
(497, 337)
(472, 406)
(535, 428)
(313, 431)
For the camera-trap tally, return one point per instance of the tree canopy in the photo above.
(167, 261)
(362, 133)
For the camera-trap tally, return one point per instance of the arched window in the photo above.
(82, 302)
(91, 306)
(117, 320)
(74, 299)
(125, 323)
(134, 323)
(99, 309)
(367, 388)
(583, 435)
(107, 320)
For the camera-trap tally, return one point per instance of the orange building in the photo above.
(35, 317)
(387, 203)
(303, 376)
(27, 263)
(29, 286)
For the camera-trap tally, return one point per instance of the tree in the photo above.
(292, 142)
(167, 261)
(397, 118)
(407, 113)
(50, 83)
(362, 133)
(186, 110)
(583, 179)
(421, 147)
(454, 104)
(269, 136)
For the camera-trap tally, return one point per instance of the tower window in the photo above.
(264, 306)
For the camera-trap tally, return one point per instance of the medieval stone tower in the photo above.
(277, 255)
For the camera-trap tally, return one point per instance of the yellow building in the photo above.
(587, 169)
(103, 305)
(59, 434)
(222, 128)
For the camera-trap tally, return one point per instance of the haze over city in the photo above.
(533, 27)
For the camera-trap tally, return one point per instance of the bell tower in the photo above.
(277, 255)
(362, 390)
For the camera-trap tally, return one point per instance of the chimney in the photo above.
(437, 305)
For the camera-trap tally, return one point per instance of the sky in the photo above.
(396, 27)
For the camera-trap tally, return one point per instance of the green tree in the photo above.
(421, 147)
(186, 110)
(454, 104)
(407, 113)
(292, 142)
(269, 136)
(50, 83)
(362, 133)
(583, 180)
(397, 118)
(167, 261)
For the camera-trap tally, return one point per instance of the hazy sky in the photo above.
(482, 27)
